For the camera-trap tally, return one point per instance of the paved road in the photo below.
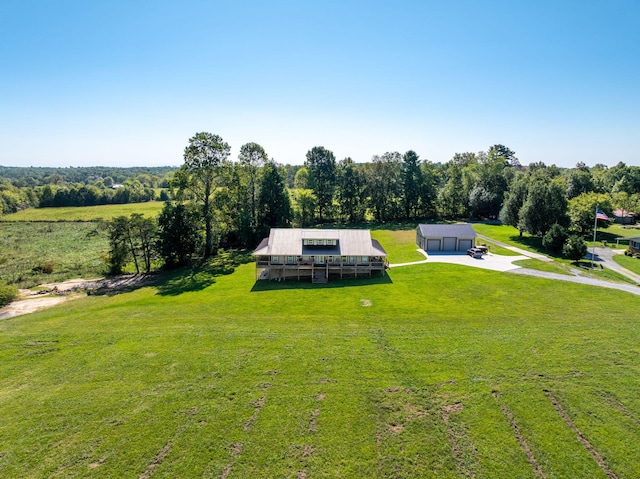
(630, 288)
(605, 256)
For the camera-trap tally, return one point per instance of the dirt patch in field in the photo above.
(51, 294)
(236, 449)
(366, 302)
(585, 442)
(257, 406)
(156, 461)
(99, 463)
(225, 472)
(462, 448)
(313, 420)
(395, 428)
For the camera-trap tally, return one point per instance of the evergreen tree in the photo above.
(411, 183)
(274, 205)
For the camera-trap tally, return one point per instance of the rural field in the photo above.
(432, 371)
(86, 213)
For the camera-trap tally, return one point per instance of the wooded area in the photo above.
(234, 203)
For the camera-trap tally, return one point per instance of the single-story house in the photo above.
(445, 237)
(634, 244)
(318, 254)
(624, 217)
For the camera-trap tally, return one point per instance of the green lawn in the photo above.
(433, 371)
(86, 213)
(632, 264)
(400, 245)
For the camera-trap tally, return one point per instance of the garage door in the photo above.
(464, 245)
(449, 244)
(433, 245)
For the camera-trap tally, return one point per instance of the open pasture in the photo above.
(433, 371)
(37, 252)
(86, 213)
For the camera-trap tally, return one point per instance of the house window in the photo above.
(290, 259)
(352, 259)
(329, 259)
(365, 260)
(275, 259)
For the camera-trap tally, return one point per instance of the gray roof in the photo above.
(288, 241)
(460, 230)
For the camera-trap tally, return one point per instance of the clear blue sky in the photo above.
(127, 83)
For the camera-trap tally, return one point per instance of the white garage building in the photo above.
(453, 237)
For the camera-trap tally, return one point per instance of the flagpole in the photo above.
(595, 229)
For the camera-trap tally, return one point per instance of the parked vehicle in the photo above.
(475, 252)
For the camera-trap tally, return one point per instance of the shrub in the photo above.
(7, 294)
(44, 268)
(575, 248)
(555, 238)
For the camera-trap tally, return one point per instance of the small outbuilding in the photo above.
(445, 237)
(634, 244)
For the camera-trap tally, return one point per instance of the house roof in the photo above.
(288, 241)
(621, 213)
(460, 230)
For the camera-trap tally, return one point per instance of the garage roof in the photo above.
(459, 230)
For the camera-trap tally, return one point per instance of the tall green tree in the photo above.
(545, 205)
(411, 183)
(305, 206)
(274, 205)
(430, 177)
(179, 233)
(507, 153)
(515, 198)
(252, 157)
(579, 181)
(205, 159)
(452, 197)
(582, 212)
(383, 186)
(350, 191)
(322, 177)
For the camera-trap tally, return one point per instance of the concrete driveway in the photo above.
(490, 261)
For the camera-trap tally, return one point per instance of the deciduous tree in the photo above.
(205, 159)
(322, 177)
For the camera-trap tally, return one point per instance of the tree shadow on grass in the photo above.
(203, 274)
(272, 285)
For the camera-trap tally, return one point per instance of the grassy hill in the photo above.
(433, 371)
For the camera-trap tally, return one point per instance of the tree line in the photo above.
(220, 203)
(22, 188)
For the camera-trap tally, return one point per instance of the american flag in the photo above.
(600, 215)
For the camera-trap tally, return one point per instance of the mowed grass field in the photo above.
(433, 371)
(86, 213)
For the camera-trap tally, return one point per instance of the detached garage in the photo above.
(456, 237)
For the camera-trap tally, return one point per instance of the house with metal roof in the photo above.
(445, 237)
(295, 253)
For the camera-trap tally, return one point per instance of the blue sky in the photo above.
(127, 83)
